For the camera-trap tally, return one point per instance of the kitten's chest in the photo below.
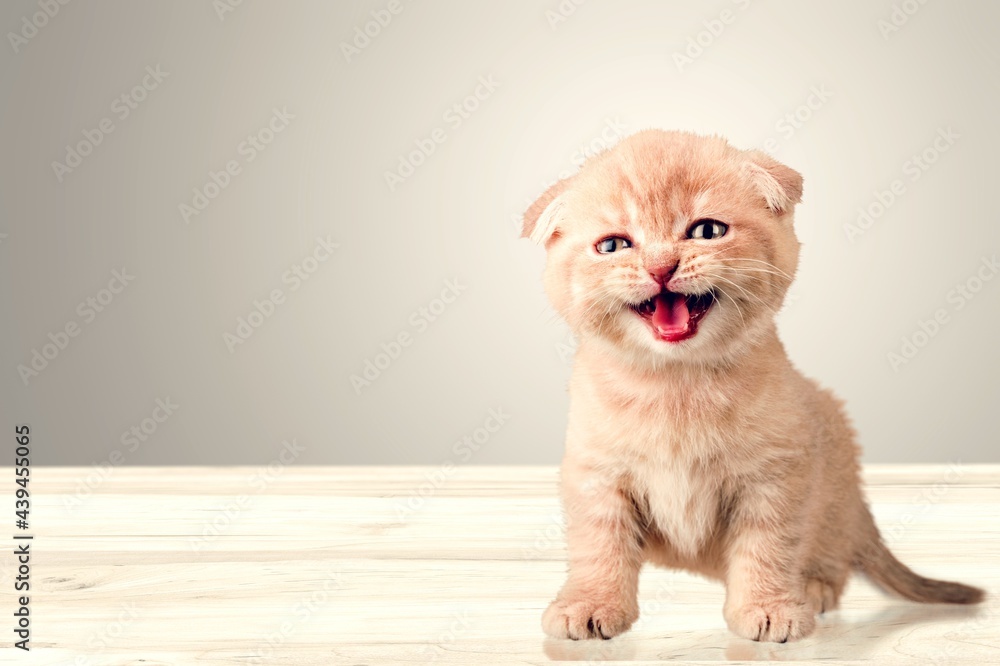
(680, 502)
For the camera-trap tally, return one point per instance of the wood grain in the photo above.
(371, 565)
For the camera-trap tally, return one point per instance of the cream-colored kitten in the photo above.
(692, 440)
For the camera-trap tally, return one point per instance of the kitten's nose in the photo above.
(662, 274)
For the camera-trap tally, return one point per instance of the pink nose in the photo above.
(662, 274)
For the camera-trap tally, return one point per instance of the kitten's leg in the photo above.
(827, 571)
(599, 599)
(821, 595)
(765, 592)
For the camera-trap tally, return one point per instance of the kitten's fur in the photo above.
(712, 454)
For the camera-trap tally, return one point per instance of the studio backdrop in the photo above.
(234, 232)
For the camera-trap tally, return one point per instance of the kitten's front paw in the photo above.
(588, 618)
(775, 621)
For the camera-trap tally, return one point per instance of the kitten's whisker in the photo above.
(742, 290)
(735, 301)
(751, 277)
(768, 264)
(754, 269)
(739, 310)
(755, 273)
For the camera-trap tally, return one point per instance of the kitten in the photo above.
(692, 440)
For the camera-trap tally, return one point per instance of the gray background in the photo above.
(560, 85)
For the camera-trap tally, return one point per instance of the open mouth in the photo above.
(674, 317)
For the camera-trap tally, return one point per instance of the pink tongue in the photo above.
(671, 313)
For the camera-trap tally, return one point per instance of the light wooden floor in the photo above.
(354, 566)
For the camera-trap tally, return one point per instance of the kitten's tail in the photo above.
(874, 559)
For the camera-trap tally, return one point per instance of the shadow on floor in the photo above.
(862, 638)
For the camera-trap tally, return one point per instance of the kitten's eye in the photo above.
(612, 244)
(708, 230)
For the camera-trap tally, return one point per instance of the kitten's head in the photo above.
(670, 246)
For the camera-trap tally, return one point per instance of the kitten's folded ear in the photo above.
(781, 186)
(541, 217)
